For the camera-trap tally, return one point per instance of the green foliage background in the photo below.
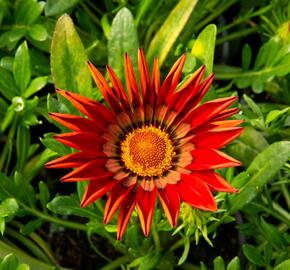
(46, 44)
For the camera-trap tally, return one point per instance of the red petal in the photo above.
(195, 99)
(214, 180)
(189, 89)
(116, 197)
(73, 160)
(156, 76)
(131, 83)
(92, 170)
(170, 83)
(75, 123)
(208, 110)
(170, 201)
(207, 159)
(216, 138)
(146, 87)
(84, 141)
(196, 193)
(120, 91)
(105, 89)
(145, 206)
(126, 210)
(96, 189)
(99, 113)
(226, 114)
(213, 125)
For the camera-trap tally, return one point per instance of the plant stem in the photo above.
(277, 212)
(215, 14)
(34, 249)
(155, 236)
(286, 194)
(241, 33)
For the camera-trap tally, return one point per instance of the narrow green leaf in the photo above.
(68, 59)
(185, 251)
(204, 46)
(30, 226)
(37, 32)
(21, 67)
(28, 11)
(165, 38)
(35, 85)
(22, 145)
(263, 168)
(123, 38)
(56, 7)
(273, 235)
(44, 194)
(8, 87)
(253, 255)
(254, 107)
(246, 57)
(23, 257)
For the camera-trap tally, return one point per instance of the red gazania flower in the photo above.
(163, 144)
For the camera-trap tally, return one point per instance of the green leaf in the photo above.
(253, 255)
(234, 264)
(10, 262)
(23, 266)
(2, 225)
(274, 114)
(22, 145)
(254, 107)
(35, 85)
(6, 62)
(169, 31)
(44, 194)
(263, 168)
(204, 46)
(68, 59)
(30, 226)
(8, 207)
(185, 252)
(8, 87)
(218, 263)
(51, 143)
(66, 205)
(21, 67)
(37, 32)
(54, 105)
(56, 7)
(249, 144)
(123, 38)
(273, 235)
(283, 265)
(246, 57)
(28, 11)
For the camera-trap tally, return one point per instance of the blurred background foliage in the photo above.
(45, 44)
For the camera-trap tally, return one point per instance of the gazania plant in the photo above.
(153, 142)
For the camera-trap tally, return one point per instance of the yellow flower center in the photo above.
(147, 151)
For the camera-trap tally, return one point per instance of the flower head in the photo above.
(163, 144)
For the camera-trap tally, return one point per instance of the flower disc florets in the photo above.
(147, 151)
